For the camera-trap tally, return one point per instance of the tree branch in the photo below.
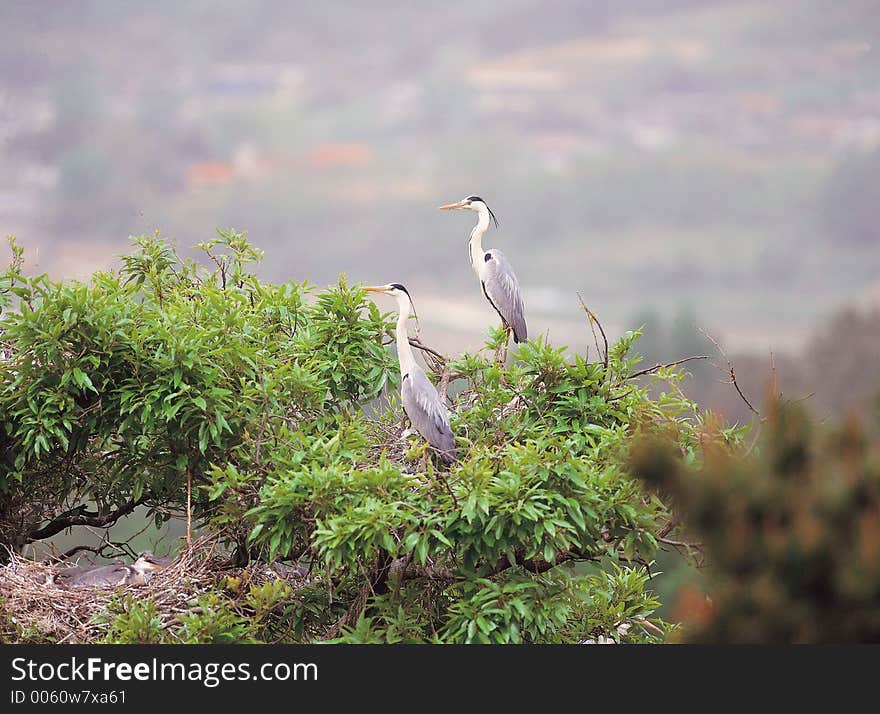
(81, 517)
(419, 345)
(730, 372)
(594, 319)
(403, 569)
(658, 366)
(119, 549)
(376, 584)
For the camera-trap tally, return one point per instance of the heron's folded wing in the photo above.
(502, 289)
(425, 410)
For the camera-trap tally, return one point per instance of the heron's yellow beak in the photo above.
(454, 206)
(375, 288)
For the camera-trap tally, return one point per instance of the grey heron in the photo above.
(149, 563)
(496, 276)
(421, 402)
(103, 576)
(108, 576)
(144, 567)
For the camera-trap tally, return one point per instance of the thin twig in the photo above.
(78, 549)
(658, 366)
(188, 507)
(446, 485)
(418, 344)
(754, 441)
(593, 318)
(730, 371)
(774, 385)
(801, 399)
(443, 386)
(680, 544)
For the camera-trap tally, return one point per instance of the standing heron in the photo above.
(421, 402)
(494, 271)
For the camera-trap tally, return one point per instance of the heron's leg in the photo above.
(507, 333)
(425, 461)
(501, 352)
(406, 427)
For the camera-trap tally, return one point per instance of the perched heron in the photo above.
(494, 271)
(421, 402)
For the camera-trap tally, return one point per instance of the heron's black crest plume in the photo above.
(398, 286)
(477, 198)
(495, 220)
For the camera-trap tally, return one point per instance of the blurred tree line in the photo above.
(789, 533)
(836, 372)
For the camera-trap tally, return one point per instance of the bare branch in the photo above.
(73, 551)
(83, 518)
(419, 345)
(730, 371)
(593, 319)
(659, 366)
(443, 386)
(189, 505)
(680, 544)
(774, 383)
(666, 528)
(403, 569)
(117, 549)
(376, 583)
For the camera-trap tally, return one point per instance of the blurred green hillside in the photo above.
(722, 155)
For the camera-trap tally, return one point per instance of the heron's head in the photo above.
(148, 563)
(395, 290)
(471, 203)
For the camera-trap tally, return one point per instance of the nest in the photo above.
(35, 610)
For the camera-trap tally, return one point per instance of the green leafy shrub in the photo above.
(133, 621)
(279, 405)
(214, 617)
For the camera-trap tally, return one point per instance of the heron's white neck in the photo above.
(404, 351)
(476, 242)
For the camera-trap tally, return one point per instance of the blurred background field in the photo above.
(681, 164)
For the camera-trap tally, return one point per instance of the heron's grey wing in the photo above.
(63, 576)
(503, 291)
(102, 576)
(107, 576)
(422, 405)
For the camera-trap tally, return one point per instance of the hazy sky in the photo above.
(652, 155)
